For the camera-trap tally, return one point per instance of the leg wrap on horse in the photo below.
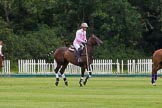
(80, 81)
(57, 81)
(66, 82)
(57, 75)
(89, 76)
(65, 79)
(63, 76)
(154, 77)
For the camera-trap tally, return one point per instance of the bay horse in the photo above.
(157, 65)
(63, 56)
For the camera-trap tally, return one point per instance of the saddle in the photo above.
(72, 48)
(78, 52)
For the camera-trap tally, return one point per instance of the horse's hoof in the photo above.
(81, 85)
(84, 82)
(66, 83)
(56, 83)
(154, 84)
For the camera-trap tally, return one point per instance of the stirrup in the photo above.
(79, 60)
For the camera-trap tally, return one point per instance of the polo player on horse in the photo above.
(80, 39)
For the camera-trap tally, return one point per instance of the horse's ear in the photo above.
(93, 35)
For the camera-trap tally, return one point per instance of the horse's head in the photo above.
(94, 40)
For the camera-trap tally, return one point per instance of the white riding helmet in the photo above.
(84, 25)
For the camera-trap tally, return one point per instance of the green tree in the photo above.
(151, 12)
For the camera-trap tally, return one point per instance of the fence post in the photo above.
(128, 66)
(118, 67)
(133, 66)
(122, 65)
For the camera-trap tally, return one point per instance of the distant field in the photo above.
(107, 92)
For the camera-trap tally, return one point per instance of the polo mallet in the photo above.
(88, 67)
(86, 54)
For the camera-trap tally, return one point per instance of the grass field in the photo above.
(100, 92)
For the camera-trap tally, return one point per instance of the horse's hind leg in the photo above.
(57, 75)
(62, 73)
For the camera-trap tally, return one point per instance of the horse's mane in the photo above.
(93, 40)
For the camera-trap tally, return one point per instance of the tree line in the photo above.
(32, 28)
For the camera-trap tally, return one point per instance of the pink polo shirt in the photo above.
(80, 37)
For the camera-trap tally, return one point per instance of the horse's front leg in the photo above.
(154, 75)
(89, 75)
(153, 80)
(82, 76)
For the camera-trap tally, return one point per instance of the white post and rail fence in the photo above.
(99, 66)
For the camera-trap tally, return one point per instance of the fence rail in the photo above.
(99, 66)
(33, 67)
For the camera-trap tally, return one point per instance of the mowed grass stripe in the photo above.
(100, 92)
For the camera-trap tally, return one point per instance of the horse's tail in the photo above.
(48, 58)
(51, 52)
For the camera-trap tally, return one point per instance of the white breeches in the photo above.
(77, 46)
